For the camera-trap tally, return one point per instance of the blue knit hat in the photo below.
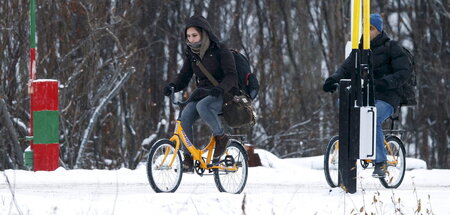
(376, 21)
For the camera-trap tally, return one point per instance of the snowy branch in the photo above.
(97, 113)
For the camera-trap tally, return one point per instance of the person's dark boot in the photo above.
(380, 170)
(188, 164)
(221, 145)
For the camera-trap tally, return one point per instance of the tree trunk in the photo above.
(5, 116)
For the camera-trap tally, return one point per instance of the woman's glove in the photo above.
(168, 90)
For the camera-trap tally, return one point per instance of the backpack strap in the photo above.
(388, 45)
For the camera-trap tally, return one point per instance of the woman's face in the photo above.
(193, 35)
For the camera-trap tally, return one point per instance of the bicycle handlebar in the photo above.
(172, 96)
(337, 87)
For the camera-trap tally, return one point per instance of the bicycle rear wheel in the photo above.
(233, 181)
(396, 163)
(162, 175)
(331, 162)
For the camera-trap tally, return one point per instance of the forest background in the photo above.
(113, 58)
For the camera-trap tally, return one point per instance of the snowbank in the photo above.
(280, 186)
(272, 161)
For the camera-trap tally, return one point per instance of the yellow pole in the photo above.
(356, 23)
(366, 24)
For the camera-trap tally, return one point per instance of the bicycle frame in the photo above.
(180, 137)
(388, 148)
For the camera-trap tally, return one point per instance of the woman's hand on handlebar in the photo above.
(169, 89)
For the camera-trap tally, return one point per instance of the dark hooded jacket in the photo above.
(218, 60)
(389, 66)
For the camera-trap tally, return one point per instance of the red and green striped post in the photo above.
(32, 39)
(28, 155)
(44, 119)
(44, 106)
(32, 54)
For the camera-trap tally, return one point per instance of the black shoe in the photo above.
(221, 146)
(380, 170)
(188, 164)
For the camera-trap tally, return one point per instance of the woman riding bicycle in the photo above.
(207, 100)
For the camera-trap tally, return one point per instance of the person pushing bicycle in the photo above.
(207, 100)
(391, 70)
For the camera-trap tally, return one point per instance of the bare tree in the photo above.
(107, 122)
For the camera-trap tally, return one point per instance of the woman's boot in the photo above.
(221, 145)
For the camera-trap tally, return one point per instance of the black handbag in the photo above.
(238, 112)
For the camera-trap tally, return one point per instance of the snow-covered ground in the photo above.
(281, 186)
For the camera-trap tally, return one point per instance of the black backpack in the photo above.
(248, 83)
(408, 89)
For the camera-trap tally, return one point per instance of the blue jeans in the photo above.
(208, 109)
(384, 110)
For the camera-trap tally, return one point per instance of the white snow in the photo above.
(45, 80)
(149, 140)
(281, 186)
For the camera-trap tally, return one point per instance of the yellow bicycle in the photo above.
(164, 164)
(396, 163)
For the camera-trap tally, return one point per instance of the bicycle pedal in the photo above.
(229, 160)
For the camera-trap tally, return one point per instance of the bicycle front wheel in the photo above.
(164, 167)
(233, 181)
(396, 163)
(331, 162)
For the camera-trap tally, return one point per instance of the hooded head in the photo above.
(377, 21)
(201, 22)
